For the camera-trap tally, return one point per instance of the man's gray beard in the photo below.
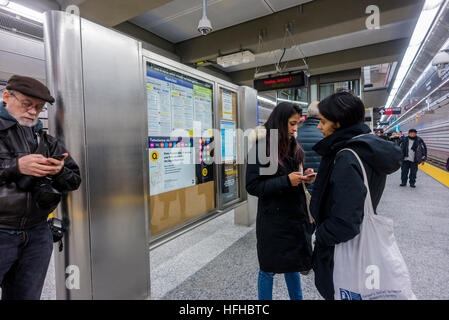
(28, 124)
(22, 124)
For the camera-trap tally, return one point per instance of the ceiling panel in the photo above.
(362, 38)
(279, 5)
(178, 20)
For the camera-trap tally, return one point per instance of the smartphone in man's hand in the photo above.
(58, 157)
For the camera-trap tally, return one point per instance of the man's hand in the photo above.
(57, 164)
(422, 163)
(38, 166)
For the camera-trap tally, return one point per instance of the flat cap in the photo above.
(29, 87)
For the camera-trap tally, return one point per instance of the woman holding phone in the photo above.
(282, 225)
(339, 192)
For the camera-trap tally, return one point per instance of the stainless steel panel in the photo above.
(248, 120)
(115, 130)
(66, 122)
(96, 76)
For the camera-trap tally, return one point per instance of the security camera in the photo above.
(441, 59)
(204, 26)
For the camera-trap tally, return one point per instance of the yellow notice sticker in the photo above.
(154, 156)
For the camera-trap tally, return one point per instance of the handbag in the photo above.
(370, 266)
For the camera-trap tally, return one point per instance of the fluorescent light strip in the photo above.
(266, 100)
(433, 103)
(416, 83)
(293, 101)
(425, 21)
(24, 11)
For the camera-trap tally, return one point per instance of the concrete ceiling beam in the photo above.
(336, 61)
(113, 12)
(318, 20)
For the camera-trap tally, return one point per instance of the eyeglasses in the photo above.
(29, 106)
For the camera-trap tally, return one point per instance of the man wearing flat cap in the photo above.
(414, 152)
(35, 170)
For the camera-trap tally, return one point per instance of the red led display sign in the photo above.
(281, 82)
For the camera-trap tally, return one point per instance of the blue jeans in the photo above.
(24, 259)
(265, 285)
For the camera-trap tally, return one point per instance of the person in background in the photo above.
(34, 170)
(282, 224)
(395, 138)
(401, 137)
(308, 136)
(414, 152)
(339, 192)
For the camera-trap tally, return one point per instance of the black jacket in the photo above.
(17, 208)
(339, 192)
(282, 225)
(418, 146)
(308, 136)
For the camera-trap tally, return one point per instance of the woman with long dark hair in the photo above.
(339, 191)
(282, 225)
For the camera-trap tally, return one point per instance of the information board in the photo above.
(228, 127)
(177, 102)
(180, 147)
(171, 164)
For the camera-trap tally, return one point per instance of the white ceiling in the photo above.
(178, 20)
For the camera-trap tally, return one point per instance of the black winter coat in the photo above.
(308, 136)
(282, 225)
(17, 208)
(339, 193)
(418, 146)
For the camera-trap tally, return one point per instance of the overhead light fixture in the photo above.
(418, 81)
(236, 58)
(293, 101)
(22, 11)
(425, 21)
(273, 103)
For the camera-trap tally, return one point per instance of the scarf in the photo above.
(327, 148)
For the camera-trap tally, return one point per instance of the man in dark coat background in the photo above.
(414, 152)
(308, 136)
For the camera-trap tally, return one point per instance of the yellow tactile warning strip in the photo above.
(436, 173)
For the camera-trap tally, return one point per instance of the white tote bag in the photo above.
(370, 266)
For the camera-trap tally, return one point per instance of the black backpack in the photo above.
(447, 164)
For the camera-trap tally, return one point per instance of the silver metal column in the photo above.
(246, 215)
(96, 76)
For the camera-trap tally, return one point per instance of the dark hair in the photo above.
(413, 130)
(278, 119)
(343, 107)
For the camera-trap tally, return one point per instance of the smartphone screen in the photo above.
(58, 157)
(311, 174)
